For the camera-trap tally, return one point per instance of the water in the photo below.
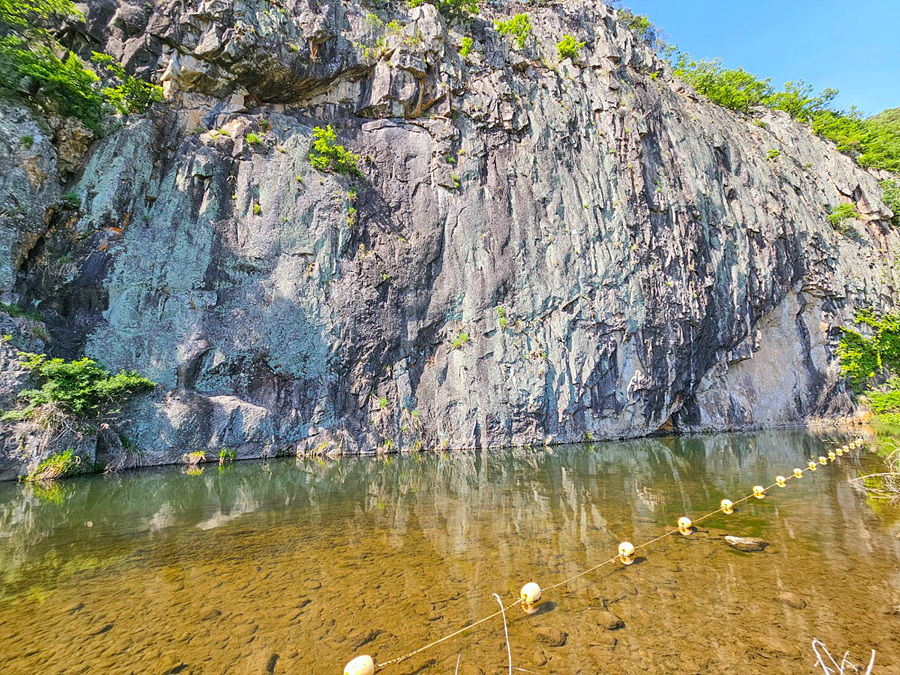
(297, 566)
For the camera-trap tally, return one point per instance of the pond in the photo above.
(297, 566)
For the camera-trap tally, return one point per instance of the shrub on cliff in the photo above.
(518, 26)
(327, 155)
(890, 194)
(864, 358)
(65, 86)
(873, 142)
(80, 388)
(451, 8)
(568, 48)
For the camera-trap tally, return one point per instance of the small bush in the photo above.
(327, 156)
(71, 199)
(842, 212)
(518, 26)
(15, 310)
(772, 154)
(382, 403)
(226, 455)
(460, 340)
(253, 139)
(890, 194)
(27, 142)
(568, 48)
(257, 209)
(863, 358)
(451, 8)
(81, 388)
(59, 465)
(466, 47)
(123, 92)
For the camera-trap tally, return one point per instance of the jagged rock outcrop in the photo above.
(537, 250)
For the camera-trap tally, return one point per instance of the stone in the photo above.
(552, 637)
(746, 544)
(791, 600)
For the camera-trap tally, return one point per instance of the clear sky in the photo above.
(851, 46)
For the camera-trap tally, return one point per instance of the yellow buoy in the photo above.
(798, 473)
(759, 491)
(626, 552)
(727, 506)
(684, 525)
(780, 481)
(531, 595)
(811, 466)
(361, 665)
(823, 460)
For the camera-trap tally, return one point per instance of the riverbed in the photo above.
(296, 566)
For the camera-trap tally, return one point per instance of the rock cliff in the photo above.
(538, 250)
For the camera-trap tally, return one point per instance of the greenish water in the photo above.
(296, 566)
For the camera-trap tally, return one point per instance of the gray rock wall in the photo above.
(538, 251)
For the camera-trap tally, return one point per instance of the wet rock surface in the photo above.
(746, 544)
(537, 251)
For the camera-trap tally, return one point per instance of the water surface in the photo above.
(296, 566)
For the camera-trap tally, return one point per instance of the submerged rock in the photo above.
(747, 544)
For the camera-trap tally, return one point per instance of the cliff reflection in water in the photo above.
(309, 553)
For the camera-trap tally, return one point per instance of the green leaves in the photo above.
(863, 358)
(81, 388)
(874, 142)
(568, 48)
(125, 93)
(327, 156)
(518, 26)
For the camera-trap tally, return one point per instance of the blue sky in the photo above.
(851, 46)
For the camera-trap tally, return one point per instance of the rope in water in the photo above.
(365, 664)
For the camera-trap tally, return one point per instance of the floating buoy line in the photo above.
(531, 594)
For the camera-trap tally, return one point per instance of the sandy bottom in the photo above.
(298, 566)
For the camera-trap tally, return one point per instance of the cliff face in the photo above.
(537, 250)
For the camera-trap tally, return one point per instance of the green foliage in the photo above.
(59, 465)
(646, 32)
(519, 26)
(27, 141)
(890, 194)
(24, 13)
(451, 8)
(125, 93)
(460, 340)
(466, 47)
(225, 455)
(71, 199)
(842, 212)
(15, 310)
(327, 156)
(734, 89)
(568, 48)
(881, 146)
(81, 388)
(874, 142)
(253, 139)
(70, 86)
(257, 209)
(863, 358)
(382, 403)
(888, 401)
(772, 154)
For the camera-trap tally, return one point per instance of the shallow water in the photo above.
(297, 566)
